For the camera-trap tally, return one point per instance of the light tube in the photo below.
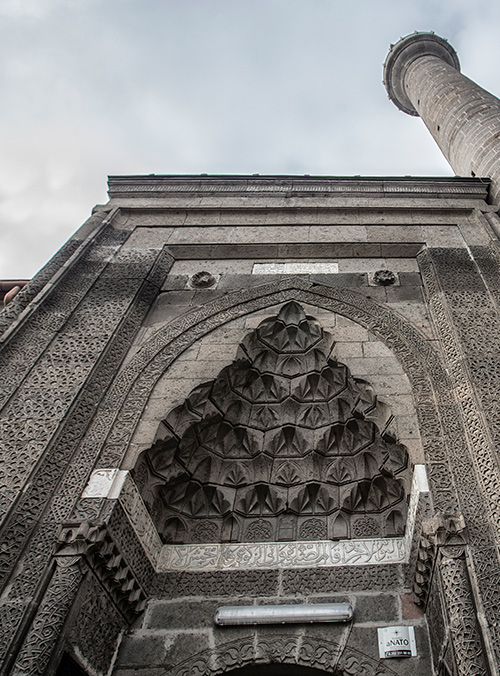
(284, 614)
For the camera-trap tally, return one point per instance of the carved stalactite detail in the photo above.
(441, 530)
(107, 562)
(284, 443)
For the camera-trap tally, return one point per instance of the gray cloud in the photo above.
(97, 87)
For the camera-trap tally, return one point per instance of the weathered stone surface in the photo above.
(181, 615)
(377, 608)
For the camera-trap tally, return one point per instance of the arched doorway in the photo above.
(276, 670)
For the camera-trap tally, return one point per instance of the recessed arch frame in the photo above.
(123, 406)
(133, 385)
(325, 656)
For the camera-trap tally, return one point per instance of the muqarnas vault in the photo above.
(282, 445)
(264, 391)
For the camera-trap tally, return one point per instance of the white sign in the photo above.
(396, 642)
(295, 268)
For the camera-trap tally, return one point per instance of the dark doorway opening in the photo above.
(276, 670)
(68, 667)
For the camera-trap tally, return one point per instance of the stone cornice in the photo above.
(289, 186)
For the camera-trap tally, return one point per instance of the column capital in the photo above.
(403, 53)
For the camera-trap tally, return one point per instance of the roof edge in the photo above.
(164, 185)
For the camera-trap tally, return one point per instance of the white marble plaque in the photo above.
(295, 268)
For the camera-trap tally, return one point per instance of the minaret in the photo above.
(422, 76)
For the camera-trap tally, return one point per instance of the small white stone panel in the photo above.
(105, 483)
(295, 268)
(396, 642)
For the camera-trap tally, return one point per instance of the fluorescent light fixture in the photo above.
(292, 614)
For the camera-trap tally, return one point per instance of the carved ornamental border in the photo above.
(157, 186)
(307, 651)
(118, 484)
(133, 386)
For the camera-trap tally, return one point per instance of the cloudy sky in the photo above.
(96, 87)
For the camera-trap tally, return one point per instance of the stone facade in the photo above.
(252, 391)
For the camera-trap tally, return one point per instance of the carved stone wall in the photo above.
(178, 634)
(326, 656)
(50, 617)
(375, 590)
(135, 382)
(461, 302)
(96, 628)
(462, 616)
(60, 357)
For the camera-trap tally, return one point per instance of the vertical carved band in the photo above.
(460, 302)
(58, 467)
(49, 620)
(464, 629)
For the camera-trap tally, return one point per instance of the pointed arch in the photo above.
(127, 398)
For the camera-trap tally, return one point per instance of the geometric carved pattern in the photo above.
(74, 311)
(342, 579)
(283, 444)
(461, 302)
(50, 617)
(306, 651)
(462, 617)
(252, 583)
(257, 583)
(96, 627)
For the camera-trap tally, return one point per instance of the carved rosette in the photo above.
(284, 444)
(384, 277)
(202, 280)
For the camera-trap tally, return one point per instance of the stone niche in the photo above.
(284, 444)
